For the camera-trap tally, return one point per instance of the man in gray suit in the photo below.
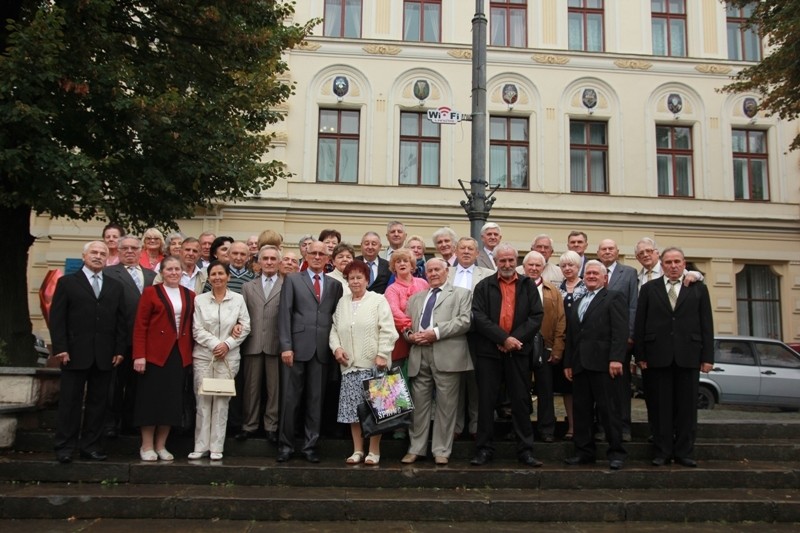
(261, 350)
(308, 300)
(439, 355)
(466, 274)
(490, 236)
(623, 279)
(134, 279)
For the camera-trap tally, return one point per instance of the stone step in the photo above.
(232, 502)
(463, 450)
(501, 474)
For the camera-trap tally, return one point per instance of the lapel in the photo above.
(682, 296)
(165, 301)
(121, 273)
(444, 291)
(308, 283)
(275, 292)
(596, 302)
(614, 278)
(83, 282)
(188, 310)
(661, 294)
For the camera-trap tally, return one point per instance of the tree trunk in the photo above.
(16, 337)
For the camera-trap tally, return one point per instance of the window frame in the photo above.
(507, 6)
(339, 137)
(668, 16)
(758, 304)
(421, 28)
(419, 139)
(750, 157)
(740, 21)
(508, 144)
(584, 13)
(342, 30)
(588, 148)
(674, 154)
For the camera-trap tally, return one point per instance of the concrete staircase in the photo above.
(748, 472)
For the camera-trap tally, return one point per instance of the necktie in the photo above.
(461, 280)
(425, 321)
(672, 293)
(136, 279)
(371, 265)
(267, 287)
(608, 279)
(649, 275)
(584, 305)
(317, 287)
(96, 285)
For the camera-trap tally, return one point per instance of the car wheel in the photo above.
(705, 398)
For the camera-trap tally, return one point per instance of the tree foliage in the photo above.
(140, 110)
(776, 77)
(137, 111)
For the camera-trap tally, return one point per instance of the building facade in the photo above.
(603, 116)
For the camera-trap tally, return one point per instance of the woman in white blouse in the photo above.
(216, 355)
(362, 337)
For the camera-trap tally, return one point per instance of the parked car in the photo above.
(749, 371)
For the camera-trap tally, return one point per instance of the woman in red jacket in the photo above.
(162, 349)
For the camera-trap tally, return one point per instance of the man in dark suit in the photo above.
(260, 349)
(134, 279)
(378, 266)
(674, 339)
(506, 315)
(308, 300)
(623, 279)
(88, 331)
(597, 335)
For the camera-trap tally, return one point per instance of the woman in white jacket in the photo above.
(362, 337)
(216, 354)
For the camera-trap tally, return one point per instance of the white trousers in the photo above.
(212, 411)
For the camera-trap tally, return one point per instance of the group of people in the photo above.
(469, 329)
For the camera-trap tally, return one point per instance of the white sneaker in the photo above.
(197, 455)
(148, 455)
(164, 455)
(216, 456)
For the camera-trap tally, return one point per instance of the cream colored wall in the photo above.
(718, 234)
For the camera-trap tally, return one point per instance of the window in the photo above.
(342, 18)
(422, 20)
(758, 304)
(509, 25)
(419, 150)
(734, 353)
(669, 27)
(337, 150)
(588, 156)
(508, 148)
(674, 161)
(776, 355)
(744, 44)
(586, 25)
(750, 175)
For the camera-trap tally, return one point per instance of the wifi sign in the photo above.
(444, 115)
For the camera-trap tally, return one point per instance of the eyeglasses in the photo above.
(317, 254)
(126, 248)
(644, 252)
(152, 239)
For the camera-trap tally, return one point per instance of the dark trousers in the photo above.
(304, 379)
(70, 433)
(121, 397)
(545, 408)
(672, 393)
(513, 371)
(590, 389)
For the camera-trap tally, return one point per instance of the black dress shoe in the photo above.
(272, 437)
(615, 464)
(686, 461)
(578, 460)
(64, 458)
(283, 456)
(111, 433)
(528, 459)
(548, 438)
(93, 455)
(481, 458)
(659, 461)
(243, 435)
(312, 457)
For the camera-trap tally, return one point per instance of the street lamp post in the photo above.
(478, 204)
